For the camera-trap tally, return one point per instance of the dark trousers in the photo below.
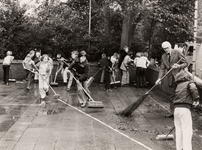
(139, 75)
(107, 80)
(144, 77)
(6, 69)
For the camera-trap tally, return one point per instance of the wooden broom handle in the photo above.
(162, 78)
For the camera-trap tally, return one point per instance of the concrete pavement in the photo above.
(26, 126)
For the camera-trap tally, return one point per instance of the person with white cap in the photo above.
(171, 59)
(6, 66)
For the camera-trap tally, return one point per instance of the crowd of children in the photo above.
(39, 67)
(114, 68)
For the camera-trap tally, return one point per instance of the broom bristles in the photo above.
(129, 110)
(95, 104)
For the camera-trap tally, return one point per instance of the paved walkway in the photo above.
(26, 126)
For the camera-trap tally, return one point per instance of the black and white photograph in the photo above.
(100, 74)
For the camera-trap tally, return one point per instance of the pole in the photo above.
(89, 26)
(195, 35)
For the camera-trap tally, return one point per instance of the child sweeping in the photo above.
(28, 65)
(44, 74)
(108, 75)
(186, 96)
(81, 66)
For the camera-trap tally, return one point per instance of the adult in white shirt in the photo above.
(140, 63)
(146, 63)
(6, 66)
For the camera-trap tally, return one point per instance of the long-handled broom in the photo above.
(91, 79)
(129, 110)
(54, 83)
(167, 136)
(91, 102)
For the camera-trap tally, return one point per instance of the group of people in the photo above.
(77, 68)
(115, 68)
(184, 94)
(173, 65)
(40, 68)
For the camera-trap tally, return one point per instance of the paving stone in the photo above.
(26, 126)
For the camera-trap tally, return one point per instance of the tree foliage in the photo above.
(60, 27)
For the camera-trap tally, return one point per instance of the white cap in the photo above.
(166, 44)
(9, 53)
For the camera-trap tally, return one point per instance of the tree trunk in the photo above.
(125, 40)
(106, 19)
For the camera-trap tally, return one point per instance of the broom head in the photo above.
(116, 82)
(165, 137)
(56, 96)
(12, 80)
(95, 104)
(54, 84)
(129, 110)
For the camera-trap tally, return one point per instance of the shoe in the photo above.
(43, 104)
(28, 88)
(137, 86)
(110, 90)
(68, 89)
(169, 116)
(107, 90)
(48, 101)
(83, 105)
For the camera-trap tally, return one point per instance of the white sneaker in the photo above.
(83, 105)
(43, 104)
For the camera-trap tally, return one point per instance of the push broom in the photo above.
(167, 136)
(54, 83)
(91, 79)
(11, 75)
(91, 102)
